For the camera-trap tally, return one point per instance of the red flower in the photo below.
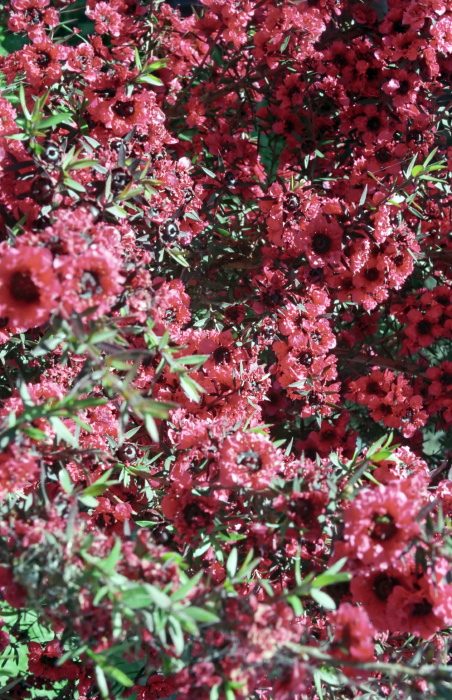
(379, 524)
(31, 16)
(248, 460)
(16, 472)
(41, 62)
(42, 662)
(29, 288)
(107, 19)
(4, 637)
(89, 280)
(353, 634)
(372, 590)
(7, 118)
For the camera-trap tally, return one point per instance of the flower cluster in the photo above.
(225, 275)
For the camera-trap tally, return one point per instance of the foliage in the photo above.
(225, 335)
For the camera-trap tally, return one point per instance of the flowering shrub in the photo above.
(225, 335)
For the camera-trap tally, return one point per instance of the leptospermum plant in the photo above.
(225, 339)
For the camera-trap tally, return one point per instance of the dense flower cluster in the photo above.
(225, 276)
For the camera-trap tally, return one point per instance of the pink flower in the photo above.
(29, 288)
(248, 460)
(353, 634)
(379, 524)
(90, 280)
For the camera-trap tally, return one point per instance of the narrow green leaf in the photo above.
(101, 682)
(185, 589)
(201, 614)
(62, 432)
(231, 564)
(53, 120)
(323, 599)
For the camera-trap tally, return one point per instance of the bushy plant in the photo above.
(225, 338)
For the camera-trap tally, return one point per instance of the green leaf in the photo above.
(411, 166)
(65, 480)
(323, 599)
(430, 156)
(151, 427)
(17, 137)
(184, 590)
(83, 163)
(117, 675)
(62, 432)
(74, 185)
(159, 598)
(156, 65)
(101, 682)
(108, 565)
(201, 614)
(53, 120)
(23, 103)
(296, 604)
(151, 79)
(191, 360)
(88, 501)
(327, 579)
(176, 634)
(34, 433)
(231, 564)
(191, 389)
(178, 256)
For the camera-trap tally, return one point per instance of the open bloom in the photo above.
(248, 460)
(380, 523)
(29, 288)
(90, 280)
(353, 635)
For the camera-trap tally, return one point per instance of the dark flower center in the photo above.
(193, 512)
(124, 109)
(415, 135)
(23, 288)
(373, 388)
(170, 315)
(51, 153)
(373, 124)
(119, 180)
(90, 283)
(383, 527)
(43, 59)
(404, 87)
(221, 355)
(33, 16)
(305, 358)
(106, 93)
(421, 609)
(304, 509)
(316, 274)
(251, 460)
(161, 535)
(48, 661)
(383, 155)
(272, 297)
(424, 327)
(291, 202)
(372, 274)
(383, 586)
(321, 243)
